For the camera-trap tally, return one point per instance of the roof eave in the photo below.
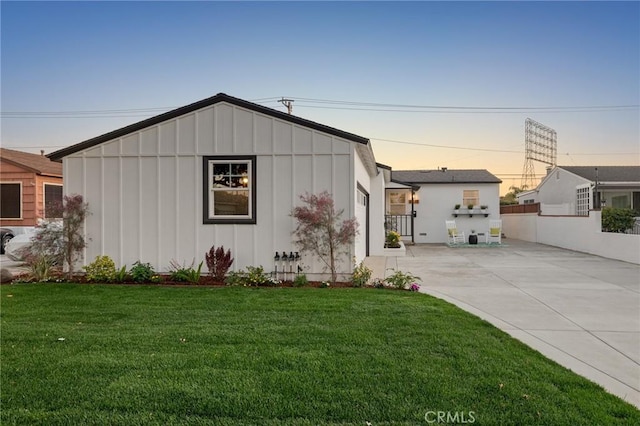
(220, 97)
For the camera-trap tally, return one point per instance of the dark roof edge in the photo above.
(220, 97)
(412, 185)
(383, 166)
(461, 181)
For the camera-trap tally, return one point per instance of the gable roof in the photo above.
(443, 176)
(35, 163)
(220, 97)
(606, 173)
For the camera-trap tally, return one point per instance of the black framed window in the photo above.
(11, 200)
(229, 194)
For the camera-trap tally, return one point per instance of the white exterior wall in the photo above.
(559, 188)
(579, 233)
(436, 206)
(362, 178)
(145, 189)
(376, 215)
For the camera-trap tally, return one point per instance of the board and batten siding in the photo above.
(145, 189)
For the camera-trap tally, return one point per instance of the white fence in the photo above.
(579, 233)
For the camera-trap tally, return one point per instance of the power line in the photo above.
(339, 105)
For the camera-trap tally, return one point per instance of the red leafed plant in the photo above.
(321, 232)
(218, 262)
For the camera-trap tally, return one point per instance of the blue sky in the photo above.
(98, 56)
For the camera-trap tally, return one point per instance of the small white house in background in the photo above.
(571, 190)
(429, 196)
(219, 172)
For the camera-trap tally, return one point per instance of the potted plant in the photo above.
(470, 208)
(484, 210)
(392, 240)
(456, 210)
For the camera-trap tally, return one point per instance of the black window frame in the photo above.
(207, 218)
(4, 204)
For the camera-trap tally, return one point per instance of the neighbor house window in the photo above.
(229, 189)
(582, 200)
(397, 203)
(470, 196)
(11, 200)
(52, 200)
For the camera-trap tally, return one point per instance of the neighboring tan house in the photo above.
(574, 190)
(220, 172)
(29, 185)
(418, 202)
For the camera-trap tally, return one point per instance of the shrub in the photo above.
(121, 275)
(378, 283)
(321, 232)
(181, 273)
(361, 275)
(142, 272)
(102, 269)
(234, 278)
(393, 239)
(300, 280)
(617, 220)
(254, 276)
(42, 267)
(218, 262)
(400, 279)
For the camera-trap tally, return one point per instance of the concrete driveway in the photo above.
(582, 311)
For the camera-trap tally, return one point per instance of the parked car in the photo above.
(16, 245)
(23, 239)
(6, 234)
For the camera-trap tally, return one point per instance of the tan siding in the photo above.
(32, 193)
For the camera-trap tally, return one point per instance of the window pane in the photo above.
(239, 169)
(470, 196)
(220, 169)
(10, 201)
(230, 203)
(52, 201)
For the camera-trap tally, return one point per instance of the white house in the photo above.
(219, 172)
(574, 190)
(418, 202)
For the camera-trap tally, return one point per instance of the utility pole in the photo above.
(288, 103)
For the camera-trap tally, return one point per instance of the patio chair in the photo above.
(495, 232)
(455, 236)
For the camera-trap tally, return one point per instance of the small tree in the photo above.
(74, 212)
(321, 232)
(60, 243)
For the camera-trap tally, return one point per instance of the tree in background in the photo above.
(511, 196)
(320, 230)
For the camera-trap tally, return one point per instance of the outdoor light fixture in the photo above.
(298, 267)
(284, 263)
(276, 259)
(285, 260)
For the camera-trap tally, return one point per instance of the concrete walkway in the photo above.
(579, 310)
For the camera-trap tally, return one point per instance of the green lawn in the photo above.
(273, 356)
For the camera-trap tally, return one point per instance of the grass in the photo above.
(283, 356)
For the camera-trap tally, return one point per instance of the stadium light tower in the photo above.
(540, 144)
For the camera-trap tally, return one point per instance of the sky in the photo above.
(431, 84)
